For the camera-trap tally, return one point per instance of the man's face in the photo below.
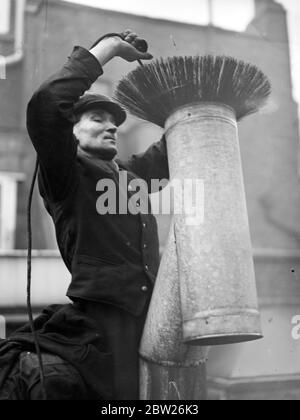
(96, 132)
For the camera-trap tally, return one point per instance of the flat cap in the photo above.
(91, 101)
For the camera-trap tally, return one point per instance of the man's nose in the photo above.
(112, 129)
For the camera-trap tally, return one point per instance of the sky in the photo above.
(196, 11)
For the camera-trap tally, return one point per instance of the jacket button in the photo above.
(144, 225)
(145, 246)
(144, 289)
(146, 267)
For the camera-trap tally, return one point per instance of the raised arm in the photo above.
(152, 164)
(50, 124)
(49, 113)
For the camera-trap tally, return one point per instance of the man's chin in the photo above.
(107, 154)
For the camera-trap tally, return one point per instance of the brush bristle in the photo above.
(153, 92)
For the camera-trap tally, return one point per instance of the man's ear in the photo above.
(74, 118)
(76, 129)
(76, 140)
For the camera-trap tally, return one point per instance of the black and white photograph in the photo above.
(149, 203)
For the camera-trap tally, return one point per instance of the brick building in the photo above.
(269, 146)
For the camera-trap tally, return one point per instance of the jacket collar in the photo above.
(106, 165)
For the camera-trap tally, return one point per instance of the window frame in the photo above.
(5, 23)
(8, 208)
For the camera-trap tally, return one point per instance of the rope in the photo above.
(29, 260)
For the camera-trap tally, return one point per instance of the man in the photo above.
(113, 258)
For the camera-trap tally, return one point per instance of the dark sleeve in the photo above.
(50, 124)
(152, 164)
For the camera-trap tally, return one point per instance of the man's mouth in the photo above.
(111, 139)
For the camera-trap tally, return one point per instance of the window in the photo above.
(232, 14)
(8, 208)
(2, 327)
(5, 16)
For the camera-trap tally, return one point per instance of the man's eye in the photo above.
(97, 120)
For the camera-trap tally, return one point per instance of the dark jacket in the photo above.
(112, 258)
(70, 342)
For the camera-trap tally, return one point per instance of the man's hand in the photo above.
(115, 46)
